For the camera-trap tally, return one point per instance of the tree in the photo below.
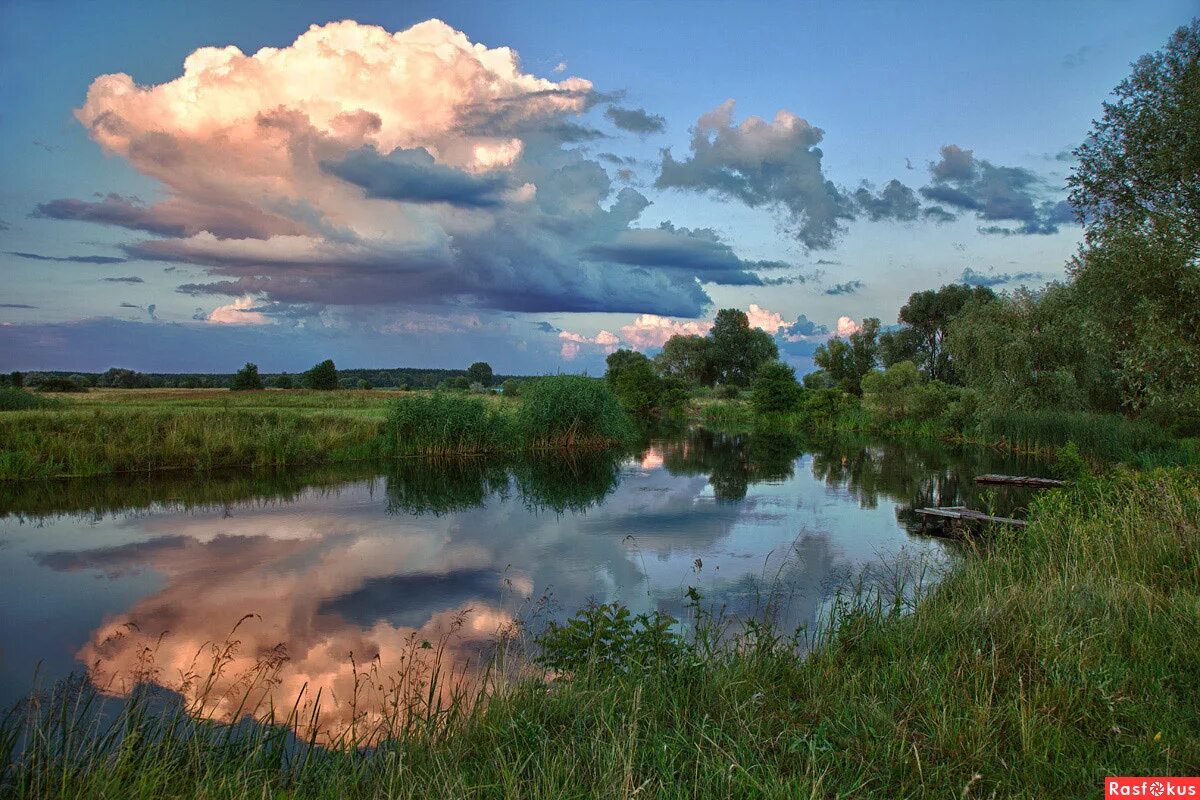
(364, 384)
(17, 379)
(738, 350)
(246, 379)
(283, 381)
(847, 361)
(774, 389)
(688, 358)
(1140, 166)
(119, 378)
(928, 315)
(1031, 351)
(322, 376)
(480, 372)
(510, 388)
(638, 388)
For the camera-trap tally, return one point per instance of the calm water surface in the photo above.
(142, 576)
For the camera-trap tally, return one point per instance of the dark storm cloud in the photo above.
(169, 218)
(699, 253)
(849, 287)
(16, 305)
(994, 194)
(974, 278)
(635, 120)
(124, 279)
(413, 176)
(546, 327)
(937, 214)
(894, 201)
(68, 259)
(763, 164)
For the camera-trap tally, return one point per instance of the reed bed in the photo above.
(1048, 659)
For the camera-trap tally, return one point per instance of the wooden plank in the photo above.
(1020, 480)
(966, 514)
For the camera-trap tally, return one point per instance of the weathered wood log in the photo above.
(1020, 480)
(964, 514)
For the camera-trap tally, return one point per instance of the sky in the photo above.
(187, 187)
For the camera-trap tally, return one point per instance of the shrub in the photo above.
(60, 385)
(510, 388)
(478, 388)
(565, 409)
(480, 372)
(363, 383)
(246, 379)
(774, 389)
(726, 392)
(283, 381)
(16, 399)
(322, 376)
(639, 388)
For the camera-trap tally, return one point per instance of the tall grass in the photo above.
(1048, 659)
(1105, 436)
(14, 399)
(560, 411)
(70, 443)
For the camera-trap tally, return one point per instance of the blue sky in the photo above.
(523, 217)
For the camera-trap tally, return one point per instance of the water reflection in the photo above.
(148, 579)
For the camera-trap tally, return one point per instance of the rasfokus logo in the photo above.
(1151, 787)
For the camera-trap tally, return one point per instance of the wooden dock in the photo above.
(1020, 480)
(964, 514)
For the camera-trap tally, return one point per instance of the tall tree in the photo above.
(737, 349)
(846, 361)
(480, 372)
(322, 376)
(927, 316)
(246, 379)
(1140, 167)
(688, 358)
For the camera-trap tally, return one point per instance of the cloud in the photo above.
(635, 120)
(571, 343)
(239, 312)
(16, 305)
(973, 278)
(993, 193)
(649, 331)
(847, 326)
(773, 164)
(124, 279)
(849, 287)
(413, 176)
(360, 167)
(68, 259)
(894, 201)
(937, 214)
(764, 319)
(699, 253)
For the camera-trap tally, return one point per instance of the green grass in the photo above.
(14, 399)
(1046, 660)
(1110, 437)
(122, 431)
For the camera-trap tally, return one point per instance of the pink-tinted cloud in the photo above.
(652, 330)
(237, 313)
(763, 319)
(847, 326)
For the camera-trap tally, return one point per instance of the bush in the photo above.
(565, 409)
(457, 384)
(727, 392)
(60, 385)
(363, 383)
(246, 379)
(283, 381)
(510, 388)
(16, 399)
(322, 376)
(774, 389)
(639, 388)
(444, 424)
(480, 372)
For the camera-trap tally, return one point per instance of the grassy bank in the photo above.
(1046, 661)
(125, 431)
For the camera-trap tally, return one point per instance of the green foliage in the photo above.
(689, 358)
(16, 379)
(1028, 351)
(1138, 168)
(603, 641)
(726, 392)
(1069, 463)
(323, 376)
(364, 384)
(818, 379)
(1109, 437)
(120, 378)
(774, 389)
(927, 316)
(16, 399)
(565, 410)
(282, 381)
(727, 417)
(847, 361)
(456, 384)
(480, 372)
(639, 388)
(511, 388)
(440, 423)
(246, 379)
(56, 384)
(737, 350)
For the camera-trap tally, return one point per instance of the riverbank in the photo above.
(143, 431)
(1046, 660)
